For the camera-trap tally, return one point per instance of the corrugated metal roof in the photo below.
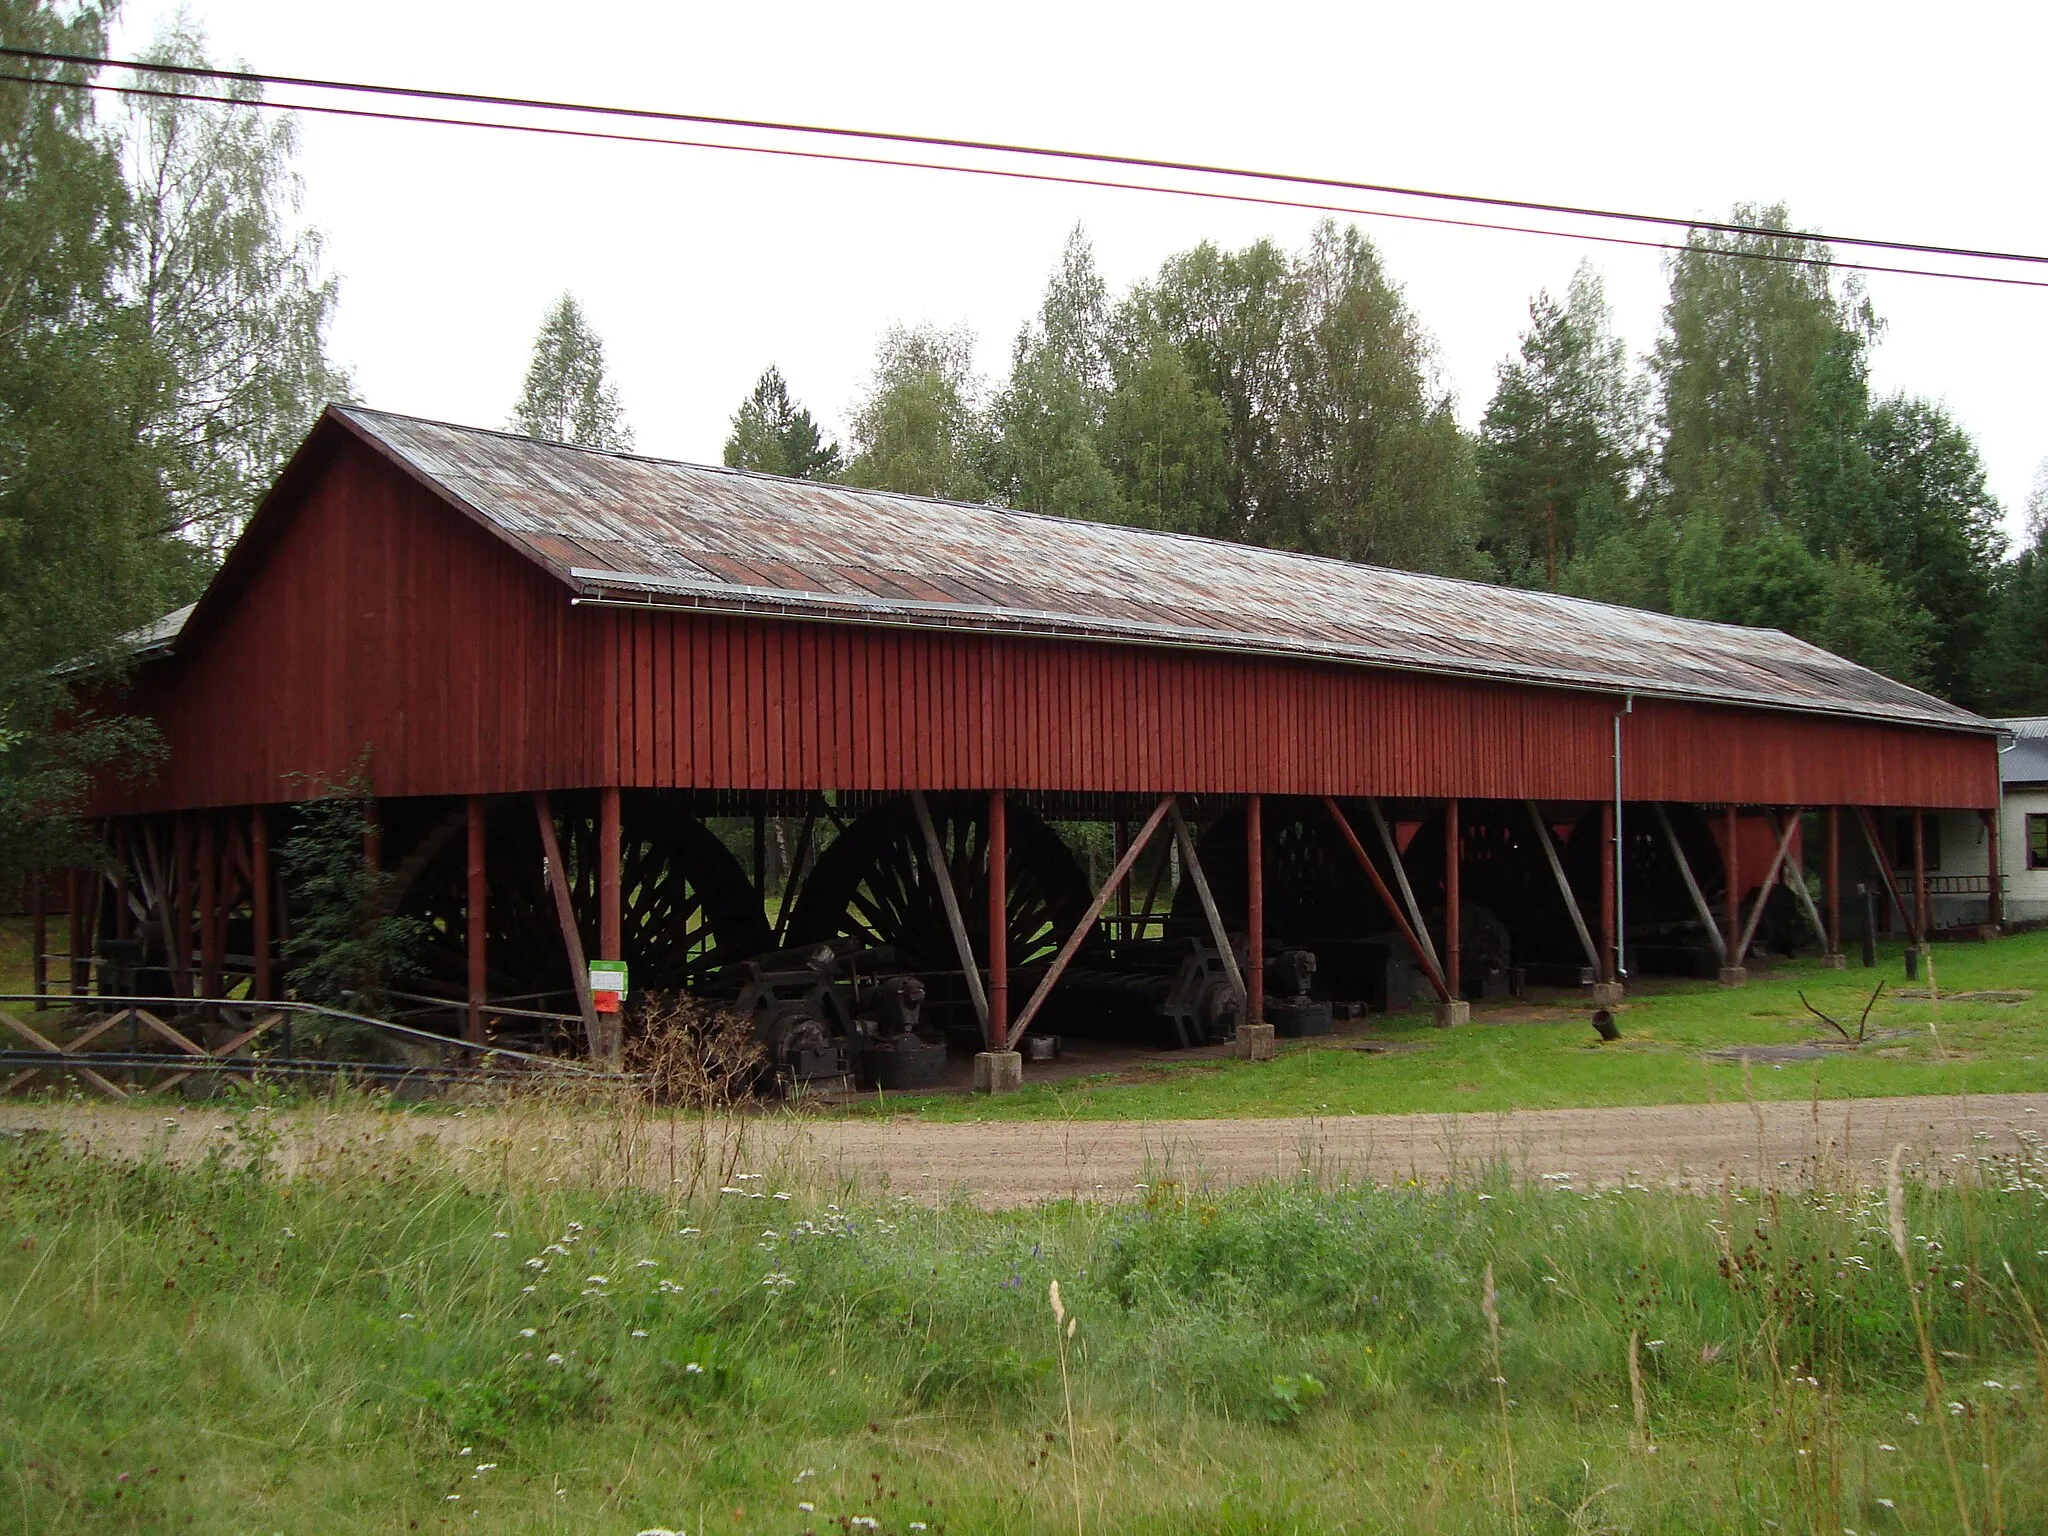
(2026, 760)
(623, 527)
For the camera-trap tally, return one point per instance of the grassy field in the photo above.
(395, 1343)
(1550, 1057)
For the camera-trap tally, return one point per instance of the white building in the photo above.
(2023, 842)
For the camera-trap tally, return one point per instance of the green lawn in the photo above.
(1555, 1060)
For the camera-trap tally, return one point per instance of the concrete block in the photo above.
(1834, 962)
(1608, 994)
(1255, 1042)
(1733, 975)
(998, 1071)
(1448, 1014)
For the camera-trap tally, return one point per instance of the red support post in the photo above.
(609, 924)
(1994, 908)
(998, 922)
(1834, 879)
(124, 919)
(1731, 902)
(373, 837)
(1121, 837)
(1453, 939)
(74, 891)
(1919, 876)
(1255, 913)
(209, 908)
(260, 898)
(475, 919)
(1610, 968)
(39, 935)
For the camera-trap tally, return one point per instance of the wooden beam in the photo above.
(1731, 898)
(1800, 894)
(111, 1090)
(1763, 892)
(74, 889)
(39, 936)
(942, 877)
(261, 897)
(1081, 929)
(1884, 869)
(1920, 923)
(1564, 885)
(476, 922)
(209, 907)
(998, 921)
(1217, 931)
(610, 899)
(1255, 912)
(180, 931)
(795, 873)
(1393, 852)
(1454, 945)
(1423, 957)
(1610, 918)
(565, 915)
(1692, 885)
(1834, 880)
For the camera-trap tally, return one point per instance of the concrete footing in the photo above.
(1608, 994)
(998, 1071)
(1448, 1014)
(1255, 1042)
(1733, 975)
(1834, 962)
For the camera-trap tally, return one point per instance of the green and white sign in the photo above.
(607, 984)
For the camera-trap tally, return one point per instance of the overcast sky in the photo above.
(699, 268)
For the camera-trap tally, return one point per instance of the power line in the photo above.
(936, 141)
(1044, 177)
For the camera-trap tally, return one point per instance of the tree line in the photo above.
(163, 316)
(1744, 471)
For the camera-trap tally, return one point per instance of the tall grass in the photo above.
(390, 1337)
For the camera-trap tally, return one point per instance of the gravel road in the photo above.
(1009, 1163)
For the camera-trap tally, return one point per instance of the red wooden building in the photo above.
(569, 662)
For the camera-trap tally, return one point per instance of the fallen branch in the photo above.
(1862, 1024)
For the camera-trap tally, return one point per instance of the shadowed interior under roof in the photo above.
(621, 527)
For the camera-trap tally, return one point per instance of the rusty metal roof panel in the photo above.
(624, 527)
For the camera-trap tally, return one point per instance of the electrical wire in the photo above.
(1791, 258)
(990, 146)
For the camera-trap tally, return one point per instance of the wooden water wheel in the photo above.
(687, 908)
(874, 885)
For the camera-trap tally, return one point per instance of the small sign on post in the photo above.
(607, 985)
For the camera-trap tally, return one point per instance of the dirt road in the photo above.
(1016, 1163)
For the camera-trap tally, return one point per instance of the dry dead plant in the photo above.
(690, 1054)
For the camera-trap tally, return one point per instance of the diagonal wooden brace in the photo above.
(942, 877)
(1401, 884)
(1081, 930)
(1193, 864)
(1564, 886)
(1763, 892)
(1429, 967)
(1692, 885)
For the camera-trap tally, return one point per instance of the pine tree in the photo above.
(567, 396)
(773, 434)
(1564, 431)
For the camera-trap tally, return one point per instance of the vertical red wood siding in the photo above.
(382, 621)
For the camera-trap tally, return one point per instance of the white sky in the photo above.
(699, 268)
